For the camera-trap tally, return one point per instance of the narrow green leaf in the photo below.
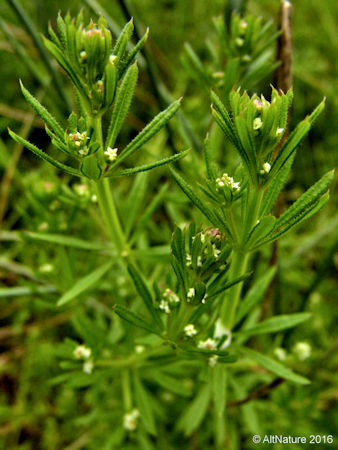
(290, 146)
(261, 230)
(132, 54)
(255, 294)
(305, 215)
(84, 283)
(275, 186)
(90, 168)
(229, 285)
(277, 323)
(67, 241)
(310, 197)
(219, 389)
(123, 39)
(150, 166)
(149, 131)
(144, 292)
(143, 404)
(195, 63)
(43, 113)
(169, 383)
(17, 291)
(122, 103)
(273, 366)
(186, 188)
(192, 417)
(129, 316)
(43, 155)
(315, 113)
(135, 201)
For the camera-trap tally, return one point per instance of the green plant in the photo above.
(192, 322)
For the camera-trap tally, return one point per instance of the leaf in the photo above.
(313, 209)
(17, 291)
(132, 54)
(43, 113)
(144, 405)
(276, 184)
(144, 292)
(196, 411)
(310, 197)
(229, 284)
(195, 63)
(122, 103)
(90, 168)
(150, 166)
(219, 389)
(67, 241)
(186, 188)
(134, 319)
(84, 283)
(149, 131)
(277, 323)
(255, 294)
(261, 230)
(43, 155)
(290, 146)
(123, 39)
(169, 383)
(273, 366)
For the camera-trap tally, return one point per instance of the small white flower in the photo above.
(302, 350)
(199, 261)
(82, 352)
(190, 330)
(83, 151)
(213, 361)
(215, 251)
(280, 353)
(243, 24)
(81, 189)
(83, 55)
(93, 198)
(164, 306)
(265, 168)
(279, 131)
(202, 235)
(46, 268)
(258, 103)
(204, 298)
(239, 42)
(188, 259)
(130, 420)
(257, 123)
(208, 344)
(139, 348)
(171, 296)
(225, 180)
(88, 366)
(111, 153)
(191, 293)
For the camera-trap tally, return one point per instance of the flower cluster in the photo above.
(84, 353)
(226, 181)
(168, 301)
(130, 420)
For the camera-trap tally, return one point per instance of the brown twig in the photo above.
(283, 81)
(260, 392)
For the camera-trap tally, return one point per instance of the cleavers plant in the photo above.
(196, 321)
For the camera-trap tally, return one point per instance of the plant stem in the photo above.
(240, 258)
(105, 198)
(127, 399)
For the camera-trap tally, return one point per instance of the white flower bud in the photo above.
(302, 350)
(208, 344)
(257, 123)
(190, 330)
(130, 420)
